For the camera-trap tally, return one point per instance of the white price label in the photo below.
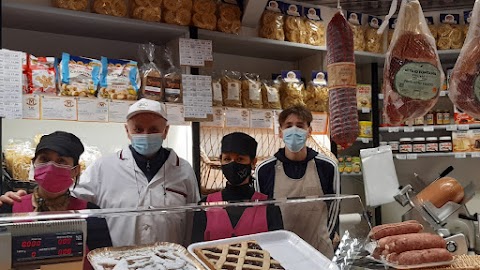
(393, 129)
(476, 155)
(408, 129)
(365, 140)
(412, 156)
(443, 93)
(460, 155)
(401, 156)
(365, 110)
(428, 129)
(380, 96)
(463, 127)
(451, 128)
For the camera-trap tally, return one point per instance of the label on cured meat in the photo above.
(476, 87)
(342, 75)
(421, 81)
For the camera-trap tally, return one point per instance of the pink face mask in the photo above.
(53, 177)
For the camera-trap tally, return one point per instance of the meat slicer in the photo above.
(452, 221)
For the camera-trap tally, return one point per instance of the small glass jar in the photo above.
(446, 117)
(419, 145)
(419, 121)
(445, 144)
(439, 117)
(432, 144)
(395, 145)
(405, 145)
(429, 118)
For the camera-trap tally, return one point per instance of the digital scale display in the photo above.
(47, 246)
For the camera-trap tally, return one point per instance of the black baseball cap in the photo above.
(64, 143)
(240, 143)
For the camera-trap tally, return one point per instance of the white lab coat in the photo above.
(116, 181)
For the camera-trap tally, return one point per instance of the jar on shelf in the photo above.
(429, 118)
(445, 144)
(405, 145)
(439, 117)
(431, 144)
(446, 117)
(394, 145)
(419, 121)
(418, 145)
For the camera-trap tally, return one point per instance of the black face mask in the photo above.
(236, 173)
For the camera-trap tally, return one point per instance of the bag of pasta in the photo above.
(355, 21)
(177, 12)
(251, 91)
(146, 10)
(432, 27)
(117, 8)
(231, 88)
(271, 23)
(217, 90)
(391, 29)
(373, 39)
(291, 90)
(271, 94)
(229, 17)
(467, 17)
(294, 26)
(204, 14)
(150, 74)
(77, 5)
(450, 34)
(316, 93)
(315, 27)
(18, 159)
(120, 79)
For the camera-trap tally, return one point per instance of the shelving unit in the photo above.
(449, 154)
(429, 128)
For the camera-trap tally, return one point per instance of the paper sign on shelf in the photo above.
(195, 52)
(59, 108)
(11, 77)
(412, 156)
(175, 114)
(319, 123)
(451, 128)
(393, 129)
(476, 155)
(408, 129)
(92, 110)
(197, 97)
(218, 118)
(460, 155)
(31, 107)
(261, 119)
(239, 118)
(118, 109)
(428, 129)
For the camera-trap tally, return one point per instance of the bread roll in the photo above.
(440, 192)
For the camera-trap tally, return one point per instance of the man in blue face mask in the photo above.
(299, 171)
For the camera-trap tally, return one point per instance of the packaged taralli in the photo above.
(271, 22)
(316, 94)
(118, 8)
(355, 22)
(391, 28)
(41, 75)
(77, 5)
(204, 14)
(314, 25)
(432, 27)
(79, 76)
(177, 11)
(146, 10)
(231, 88)
(271, 94)
(217, 90)
(294, 26)
(251, 91)
(229, 16)
(120, 79)
(450, 34)
(291, 90)
(374, 41)
(150, 74)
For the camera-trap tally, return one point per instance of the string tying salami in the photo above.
(342, 82)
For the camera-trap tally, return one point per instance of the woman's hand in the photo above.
(11, 197)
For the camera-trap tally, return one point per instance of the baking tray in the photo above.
(101, 254)
(287, 248)
(415, 266)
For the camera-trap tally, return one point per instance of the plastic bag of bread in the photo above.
(79, 76)
(450, 34)
(77, 5)
(172, 80)
(217, 90)
(120, 79)
(391, 28)
(150, 74)
(146, 10)
(315, 27)
(374, 41)
(294, 26)
(291, 89)
(316, 94)
(177, 11)
(41, 74)
(231, 88)
(229, 17)
(271, 22)
(251, 91)
(204, 14)
(355, 22)
(432, 27)
(271, 94)
(118, 8)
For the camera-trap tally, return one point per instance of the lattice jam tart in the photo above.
(246, 255)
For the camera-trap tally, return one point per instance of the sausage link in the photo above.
(414, 257)
(381, 231)
(415, 241)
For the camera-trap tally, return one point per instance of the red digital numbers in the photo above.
(64, 241)
(66, 251)
(31, 244)
(34, 254)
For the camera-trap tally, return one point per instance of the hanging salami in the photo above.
(342, 82)
(413, 74)
(465, 81)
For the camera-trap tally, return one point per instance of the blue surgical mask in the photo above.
(147, 144)
(295, 138)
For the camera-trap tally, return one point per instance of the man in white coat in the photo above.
(144, 174)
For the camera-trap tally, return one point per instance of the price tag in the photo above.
(408, 129)
(476, 155)
(380, 96)
(460, 155)
(365, 110)
(463, 127)
(401, 156)
(451, 128)
(393, 129)
(428, 129)
(365, 140)
(412, 156)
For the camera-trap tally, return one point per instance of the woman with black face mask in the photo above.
(238, 158)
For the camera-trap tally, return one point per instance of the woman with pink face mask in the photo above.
(56, 169)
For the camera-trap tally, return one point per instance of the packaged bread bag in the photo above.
(120, 79)
(355, 22)
(374, 41)
(292, 88)
(391, 28)
(177, 11)
(251, 91)
(150, 74)
(232, 88)
(294, 26)
(41, 75)
(172, 78)
(271, 22)
(314, 26)
(450, 34)
(271, 94)
(79, 76)
(146, 10)
(204, 14)
(316, 94)
(77, 5)
(117, 8)
(229, 17)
